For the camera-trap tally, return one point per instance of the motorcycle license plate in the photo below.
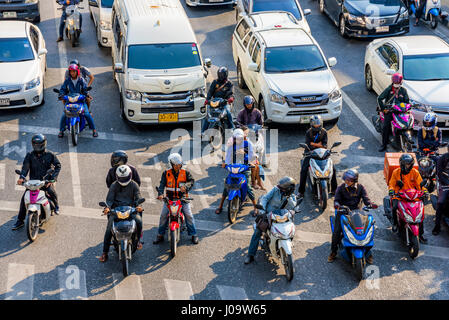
(4, 102)
(9, 14)
(305, 119)
(383, 29)
(168, 117)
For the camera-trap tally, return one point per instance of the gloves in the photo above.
(336, 206)
(231, 100)
(399, 183)
(106, 210)
(391, 193)
(139, 209)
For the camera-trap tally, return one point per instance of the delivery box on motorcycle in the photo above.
(391, 162)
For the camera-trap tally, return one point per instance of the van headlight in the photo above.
(105, 25)
(199, 92)
(276, 97)
(33, 83)
(133, 95)
(335, 94)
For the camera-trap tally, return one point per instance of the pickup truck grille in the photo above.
(311, 100)
(306, 112)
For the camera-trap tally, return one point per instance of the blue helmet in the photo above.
(248, 100)
(351, 175)
(429, 121)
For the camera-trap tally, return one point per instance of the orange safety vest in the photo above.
(172, 186)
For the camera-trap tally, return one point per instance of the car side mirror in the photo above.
(390, 72)
(93, 3)
(208, 62)
(307, 12)
(118, 68)
(253, 67)
(42, 52)
(332, 61)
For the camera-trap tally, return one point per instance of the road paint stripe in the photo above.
(128, 288)
(178, 290)
(20, 282)
(76, 180)
(232, 293)
(2, 176)
(283, 296)
(72, 282)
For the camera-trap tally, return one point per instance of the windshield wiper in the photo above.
(316, 68)
(435, 79)
(290, 71)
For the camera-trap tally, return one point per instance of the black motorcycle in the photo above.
(216, 118)
(427, 167)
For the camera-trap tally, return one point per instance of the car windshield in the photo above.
(283, 5)
(15, 50)
(107, 3)
(293, 59)
(426, 67)
(163, 56)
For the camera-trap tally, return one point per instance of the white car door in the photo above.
(94, 6)
(379, 67)
(240, 43)
(392, 62)
(253, 76)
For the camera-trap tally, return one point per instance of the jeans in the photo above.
(386, 129)
(62, 23)
(190, 221)
(303, 176)
(89, 119)
(254, 244)
(108, 234)
(420, 10)
(51, 195)
(250, 191)
(205, 123)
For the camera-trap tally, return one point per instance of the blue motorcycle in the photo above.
(75, 105)
(237, 186)
(358, 236)
(431, 11)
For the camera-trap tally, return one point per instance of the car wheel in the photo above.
(368, 78)
(321, 5)
(98, 37)
(240, 80)
(342, 27)
(263, 110)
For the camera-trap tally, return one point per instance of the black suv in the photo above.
(20, 9)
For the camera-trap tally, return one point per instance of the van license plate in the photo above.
(383, 29)
(305, 119)
(168, 117)
(4, 102)
(9, 14)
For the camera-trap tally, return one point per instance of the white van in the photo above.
(100, 12)
(157, 62)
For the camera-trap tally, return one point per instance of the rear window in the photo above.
(163, 56)
(283, 5)
(107, 3)
(15, 50)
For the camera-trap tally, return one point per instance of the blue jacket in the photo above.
(68, 88)
(273, 200)
(232, 151)
(430, 141)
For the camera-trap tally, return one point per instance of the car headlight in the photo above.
(356, 19)
(32, 84)
(276, 97)
(199, 92)
(335, 94)
(105, 25)
(133, 95)
(404, 15)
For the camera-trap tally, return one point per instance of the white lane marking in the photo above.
(72, 282)
(128, 288)
(76, 180)
(283, 296)
(148, 188)
(21, 151)
(232, 293)
(361, 116)
(178, 290)
(20, 282)
(2, 176)
(157, 163)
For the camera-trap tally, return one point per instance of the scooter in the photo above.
(237, 186)
(37, 205)
(124, 233)
(431, 11)
(320, 172)
(427, 167)
(401, 126)
(410, 216)
(72, 23)
(216, 117)
(358, 237)
(74, 111)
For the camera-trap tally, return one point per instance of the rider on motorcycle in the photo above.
(37, 163)
(393, 94)
(316, 137)
(120, 158)
(170, 181)
(280, 197)
(123, 192)
(75, 85)
(249, 115)
(65, 4)
(85, 74)
(348, 194)
(443, 192)
(403, 178)
(430, 136)
(220, 88)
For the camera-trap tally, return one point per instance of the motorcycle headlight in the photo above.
(235, 170)
(71, 22)
(356, 19)
(318, 174)
(276, 97)
(199, 92)
(354, 241)
(408, 218)
(105, 25)
(174, 209)
(133, 95)
(335, 94)
(327, 172)
(32, 84)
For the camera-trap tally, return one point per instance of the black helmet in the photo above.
(222, 74)
(74, 61)
(316, 123)
(351, 175)
(406, 163)
(39, 143)
(286, 185)
(118, 158)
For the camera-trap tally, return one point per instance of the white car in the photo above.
(424, 63)
(101, 14)
(285, 69)
(22, 65)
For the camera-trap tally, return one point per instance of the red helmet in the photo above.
(74, 67)
(397, 78)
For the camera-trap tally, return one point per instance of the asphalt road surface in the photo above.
(63, 262)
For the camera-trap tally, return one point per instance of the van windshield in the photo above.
(163, 56)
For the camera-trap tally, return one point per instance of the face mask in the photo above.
(396, 85)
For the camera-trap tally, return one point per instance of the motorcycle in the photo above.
(431, 11)
(74, 111)
(216, 118)
(320, 172)
(358, 236)
(37, 205)
(257, 139)
(401, 126)
(237, 186)
(124, 233)
(72, 27)
(427, 167)
(277, 241)
(410, 216)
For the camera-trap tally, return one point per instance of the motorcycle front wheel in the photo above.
(433, 21)
(32, 226)
(323, 194)
(233, 209)
(173, 243)
(359, 269)
(413, 248)
(125, 266)
(216, 143)
(74, 131)
(287, 261)
(73, 39)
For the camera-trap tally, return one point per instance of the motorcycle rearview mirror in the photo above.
(299, 201)
(88, 88)
(444, 144)
(102, 204)
(260, 207)
(303, 145)
(55, 90)
(17, 171)
(140, 201)
(423, 183)
(336, 144)
(50, 171)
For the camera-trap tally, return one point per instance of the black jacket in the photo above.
(387, 97)
(110, 178)
(316, 138)
(123, 196)
(225, 92)
(350, 196)
(443, 169)
(38, 166)
(162, 185)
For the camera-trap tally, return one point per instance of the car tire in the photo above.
(98, 37)
(240, 80)
(321, 5)
(263, 110)
(342, 27)
(368, 78)
(37, 19)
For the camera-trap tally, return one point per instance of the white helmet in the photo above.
(124, 175)
(238, 133)
(175, 158)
